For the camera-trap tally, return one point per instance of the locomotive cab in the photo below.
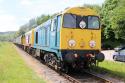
(80, 37)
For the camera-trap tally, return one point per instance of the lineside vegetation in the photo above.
(12, 67)
(114, 69)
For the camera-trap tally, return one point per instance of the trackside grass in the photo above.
(12, 67)
(115, 69)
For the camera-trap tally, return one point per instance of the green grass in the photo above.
(12, 67)
(114, 69)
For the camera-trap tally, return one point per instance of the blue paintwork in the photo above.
(49, 36)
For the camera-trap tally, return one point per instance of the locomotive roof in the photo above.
(43, 24)
(80, 11)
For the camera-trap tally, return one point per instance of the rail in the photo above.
(98, 76)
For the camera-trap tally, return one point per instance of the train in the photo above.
(71, 39)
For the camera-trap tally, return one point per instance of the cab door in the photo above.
(55, 32)
(58, 31)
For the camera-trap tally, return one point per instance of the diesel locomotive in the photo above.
(71, 39)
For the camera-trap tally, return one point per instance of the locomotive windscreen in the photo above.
(93, 22)
(76, 21)
(69, 21)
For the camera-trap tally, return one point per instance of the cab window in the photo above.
(69, 21)
(93, 22)
(36, 37)
(80, 22)
(54, 24)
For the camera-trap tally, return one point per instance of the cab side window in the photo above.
(36, 37)
(28, 38)
(54, 24)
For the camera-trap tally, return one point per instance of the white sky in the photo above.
(14, 13)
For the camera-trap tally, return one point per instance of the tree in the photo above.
(27, 27)
(118, 22)
(42, 19)
(97, 8)
(32, 24)
(113, 21)
(7, 36)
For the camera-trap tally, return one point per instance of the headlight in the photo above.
(92, 43)
(72, 43)
(82, 24)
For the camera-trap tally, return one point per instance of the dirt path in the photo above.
(49, 75)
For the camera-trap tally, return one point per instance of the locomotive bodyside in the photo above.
(46, 37)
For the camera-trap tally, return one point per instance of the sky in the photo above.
(14, 13)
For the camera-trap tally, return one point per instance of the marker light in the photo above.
(92, 43)
(72, 43)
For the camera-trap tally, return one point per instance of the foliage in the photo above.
(113, 21)
(32, 24)
(97, 8)
(114, 69)
(7, 36)
(12, 67)
(42, 19)
(118, 22)
(26, 27)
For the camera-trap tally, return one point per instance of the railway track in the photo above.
(85, 76)
(99, 76)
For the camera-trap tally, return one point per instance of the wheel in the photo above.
(54, 62)
(37, 53)
(114, 58)
(46, 58)
(51, 60)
